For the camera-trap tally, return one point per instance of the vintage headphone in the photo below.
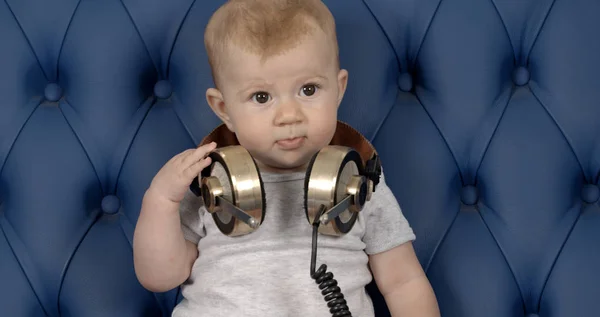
(340, 179)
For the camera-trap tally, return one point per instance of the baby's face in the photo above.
(283, 109)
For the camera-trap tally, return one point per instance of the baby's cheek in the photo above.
(323, 130)
(253, 137)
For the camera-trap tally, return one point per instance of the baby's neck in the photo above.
(276, 170)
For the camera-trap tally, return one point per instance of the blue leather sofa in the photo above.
(486, 115)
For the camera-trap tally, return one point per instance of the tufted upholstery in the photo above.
(485, 114)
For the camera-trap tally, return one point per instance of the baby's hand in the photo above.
(173, 179)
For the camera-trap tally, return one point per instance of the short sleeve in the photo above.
(191, 210)
(386, 227)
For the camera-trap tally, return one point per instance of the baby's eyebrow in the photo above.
(253, 85)
(319, 77)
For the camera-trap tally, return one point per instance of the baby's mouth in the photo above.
(291, 143)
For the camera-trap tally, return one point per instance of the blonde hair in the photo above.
(265, 27)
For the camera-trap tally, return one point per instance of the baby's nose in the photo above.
(288, 113)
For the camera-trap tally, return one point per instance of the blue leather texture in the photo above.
(485, 114)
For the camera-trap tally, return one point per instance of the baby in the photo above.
(278, 86)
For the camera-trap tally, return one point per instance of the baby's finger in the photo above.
(198, 154)
(180, 156)
(195, 169)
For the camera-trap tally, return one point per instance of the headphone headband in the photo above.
(345, 135)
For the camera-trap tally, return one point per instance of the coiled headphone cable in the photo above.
(329, 286)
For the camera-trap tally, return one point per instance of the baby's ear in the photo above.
(216, 102)
(342, 84)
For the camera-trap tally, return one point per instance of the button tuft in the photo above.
(162, 89)
(111, 204)
(469, 195)
(52, 92)
(521, 76)
(590, 193)
(405, 82)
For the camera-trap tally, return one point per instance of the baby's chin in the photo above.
(282, 165)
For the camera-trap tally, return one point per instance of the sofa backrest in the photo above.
(485, 114)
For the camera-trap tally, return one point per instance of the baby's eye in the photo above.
(309, 90)
(261, 97)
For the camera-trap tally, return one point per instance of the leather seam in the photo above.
(141, 37)
(383, 31)
(63, 274)
(176, 37)
(62, 43)
(26, 39)
(539, 30)
(20, 265)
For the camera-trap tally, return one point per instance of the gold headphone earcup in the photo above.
(234, 176)
(328, 175)
(223, 220)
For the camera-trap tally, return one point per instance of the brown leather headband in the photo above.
(344, 135)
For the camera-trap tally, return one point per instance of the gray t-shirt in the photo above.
(267, 273)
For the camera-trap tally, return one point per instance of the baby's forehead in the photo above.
(317, 44)
(300, 61)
